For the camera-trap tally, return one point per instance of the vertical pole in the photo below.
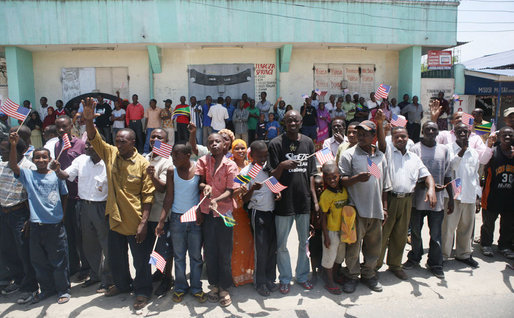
(498, 103)
(277, 70)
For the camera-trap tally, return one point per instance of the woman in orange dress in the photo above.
(243, 250)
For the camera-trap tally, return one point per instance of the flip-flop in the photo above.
(334, 290)
(177, 297)
(141, 302)
(63, 299)
(263, 291)
(213, 295)
(201, 297)
(284, 288)
(225, 299)
(307, 285)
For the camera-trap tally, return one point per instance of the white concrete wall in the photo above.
(48, 65)
(172, 82)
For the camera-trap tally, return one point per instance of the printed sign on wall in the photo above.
(266, 81)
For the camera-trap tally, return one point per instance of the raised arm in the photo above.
(13, 154)
(89, 114)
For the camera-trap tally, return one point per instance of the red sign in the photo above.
(440, 60)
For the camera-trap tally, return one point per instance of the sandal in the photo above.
(213, 295)
(225, 299)
(63, 299)
(334, 290)
(307, 285)
(263, 291)
(201, 297)
(284, 288)
(177, 296)
(141, 302)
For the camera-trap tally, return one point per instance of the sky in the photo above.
(495, 15)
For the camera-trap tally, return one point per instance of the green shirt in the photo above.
(349, 109)
(252, 121)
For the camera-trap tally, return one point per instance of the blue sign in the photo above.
(483, 86)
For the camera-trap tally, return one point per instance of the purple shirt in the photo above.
(77, 148)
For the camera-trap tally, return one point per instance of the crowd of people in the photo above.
(101, 185)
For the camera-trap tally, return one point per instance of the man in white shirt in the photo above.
(331, 105)
(338, 137)
(405, 170)
(372, 102)
(51, 137)
(464, 166)
(218, 115)
(90, 171)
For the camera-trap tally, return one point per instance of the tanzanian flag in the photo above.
(186, 111)
(242, 179)
(483, 129)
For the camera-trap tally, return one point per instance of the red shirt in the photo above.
(134, 112)
(182, 119)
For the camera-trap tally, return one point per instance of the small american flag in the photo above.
(467, 119)
(66, 144)
(162, 149)
(157, 260)
(14, 110)
(274, 185)
(457, 187)
(317, 91)
(398, 121)
(190, 215)
(324, 155)
(383, 91)
(255, 170)
(373, 168)
(304, 96)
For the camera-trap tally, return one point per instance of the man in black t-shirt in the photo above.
(497, 196)
(288, 157)
(309, 115)
(103, 120)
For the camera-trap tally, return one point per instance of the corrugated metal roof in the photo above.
(491, 61)
(497, 72)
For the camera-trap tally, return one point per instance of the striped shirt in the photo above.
(12, 191)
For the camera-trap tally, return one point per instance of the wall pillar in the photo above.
(458, 75)
(20, 75)
(409, 72)
(154, 61)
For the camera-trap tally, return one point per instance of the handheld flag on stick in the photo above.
(14, 110)
(190, 215)
(493, 128)
(66, 144)
(156, 259)
(304, 96)
(457, 187)
(242, 179)
(254, 171)
(317, 91)
(373, 168)
(324, 155)
(398, 120)
(467, 119)
(186, 111)
(274, 185)
(382, 91)
(229, 222)
(162, 149)
(483, 129)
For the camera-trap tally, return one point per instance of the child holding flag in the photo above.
(217, 175)
(48, 244)
(181, 195)
(261, 205)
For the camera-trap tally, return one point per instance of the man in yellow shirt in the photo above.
(129, 201)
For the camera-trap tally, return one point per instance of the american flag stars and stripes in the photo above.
(382, 91)
(373, 168)
(457, 187)
(157, 260)
(162, 149)
(274, 185)
(398, 120)
(467, 119)
(66, 142)
(190, 215)
(14, 110)
(254, 171)
(324, 155)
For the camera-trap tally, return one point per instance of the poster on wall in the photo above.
(77, 81)
(439, 60)
(339, 79)
(266, 81)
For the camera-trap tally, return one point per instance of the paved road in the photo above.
(484, 292)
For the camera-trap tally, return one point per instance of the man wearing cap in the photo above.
(369, 196)
(167, 120)
(182, 121)
(405, 170)
(508, 117)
